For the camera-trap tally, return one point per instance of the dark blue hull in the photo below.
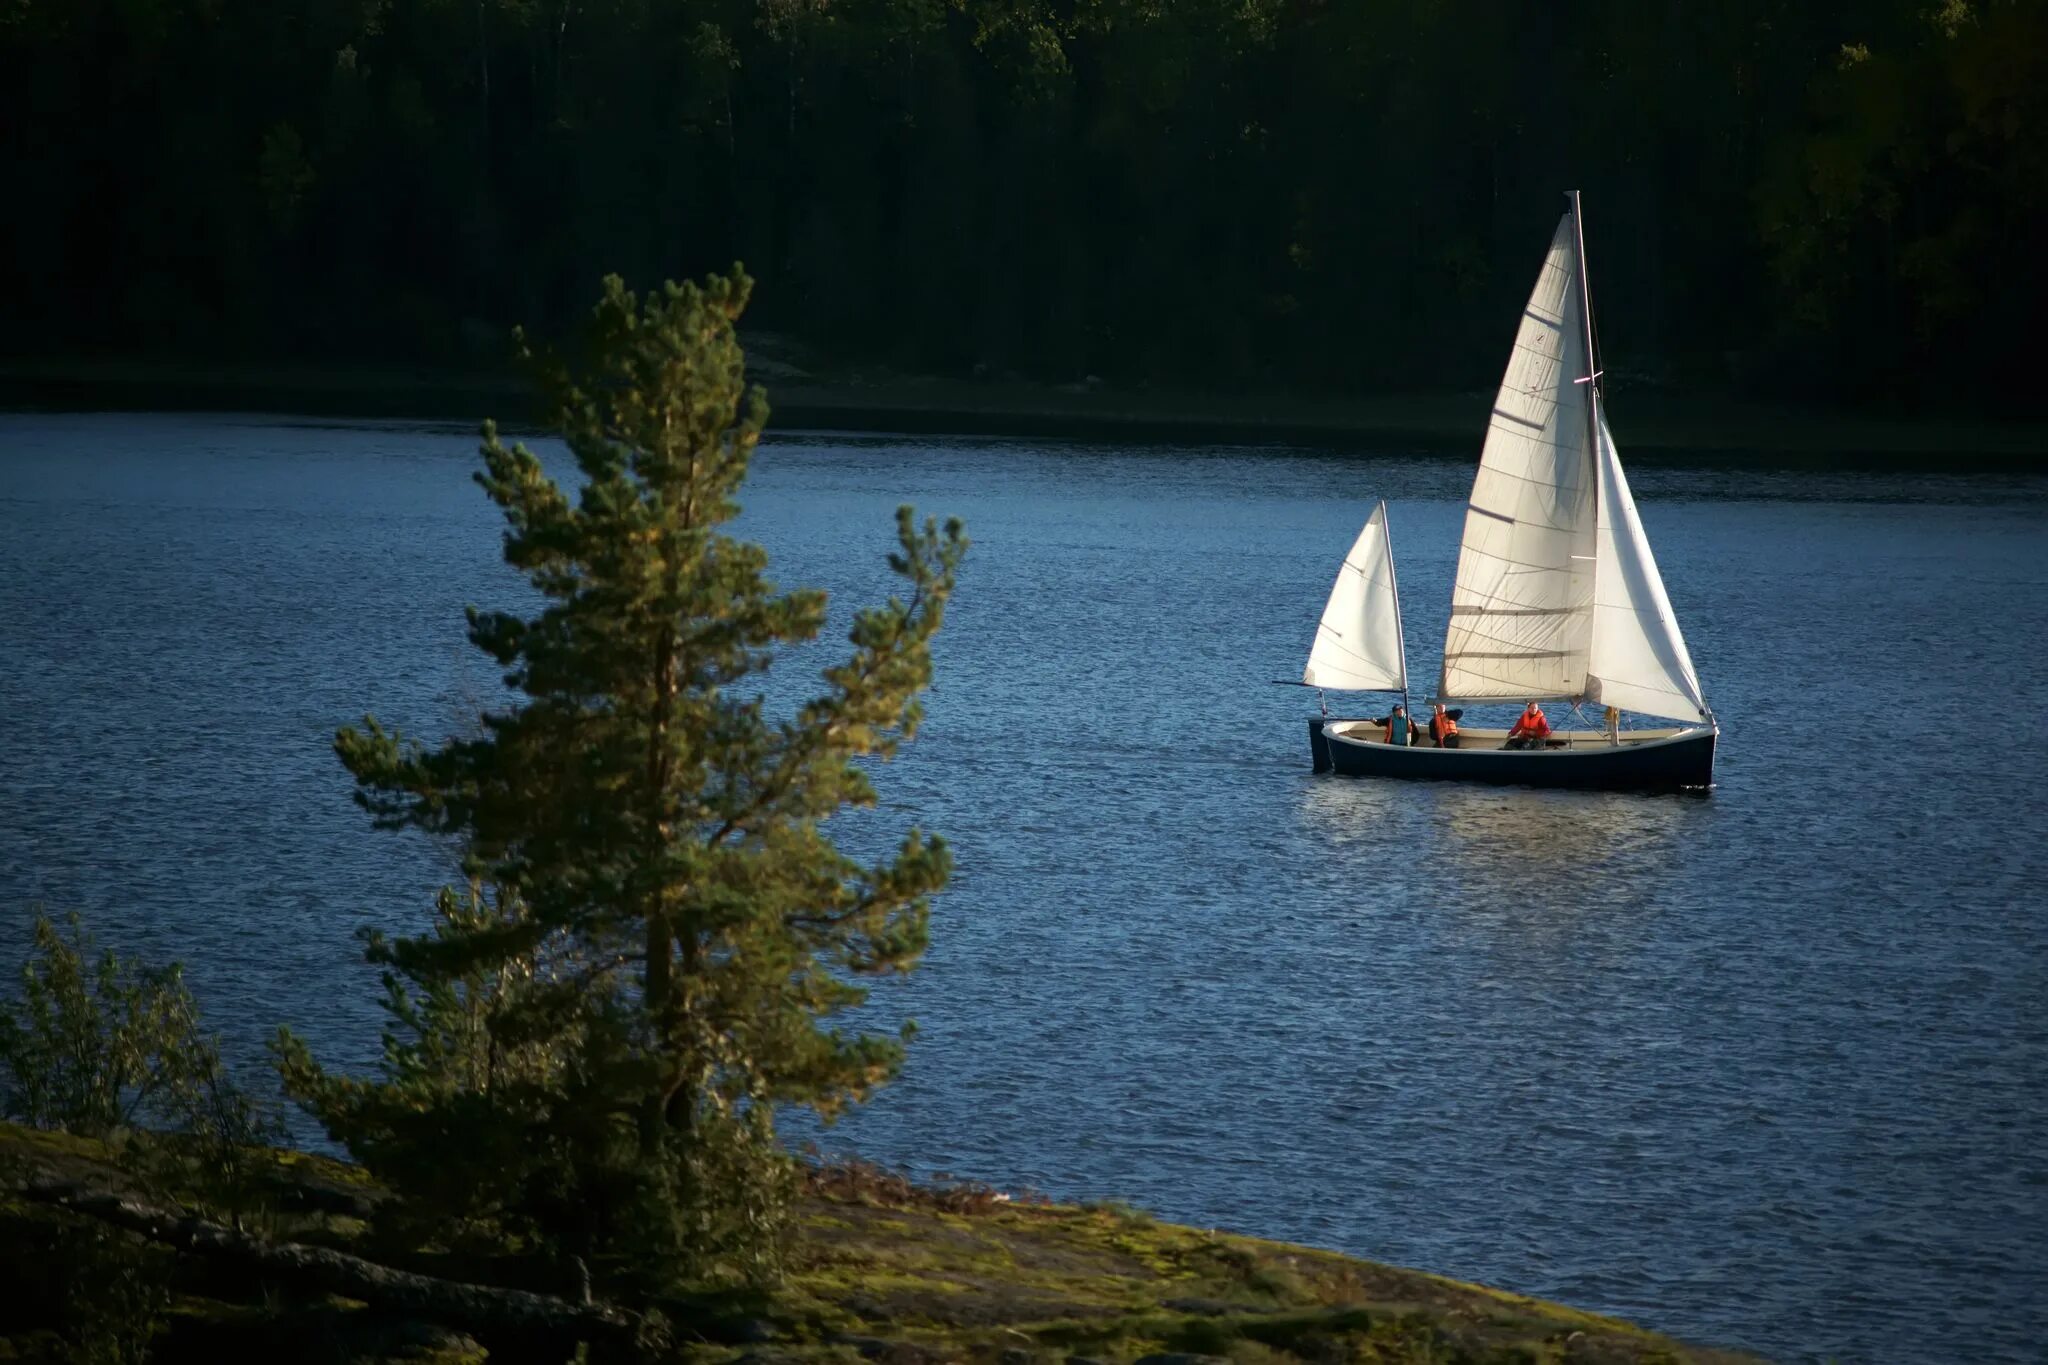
(1682, 761)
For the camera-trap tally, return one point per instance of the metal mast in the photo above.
(1592, 379)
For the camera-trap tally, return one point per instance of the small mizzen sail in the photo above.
(1639, 661)
(1522, 605)
(1358, 642)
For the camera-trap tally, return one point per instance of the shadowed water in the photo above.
(1766, 1069)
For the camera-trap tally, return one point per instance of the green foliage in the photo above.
(228, 1133)
(586, 1063)
(113, 1047)
(95, 1045)
(1920, 166)
(1306, 196)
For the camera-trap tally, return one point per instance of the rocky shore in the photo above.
(881, 1270)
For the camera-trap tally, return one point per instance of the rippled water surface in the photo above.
(1766, 1069)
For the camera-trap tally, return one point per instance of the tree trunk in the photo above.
(660, 990)
(466, 1307)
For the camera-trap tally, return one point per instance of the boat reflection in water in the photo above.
(1512, 867)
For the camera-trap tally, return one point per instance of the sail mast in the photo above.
(1394, 587)
(1592, 379)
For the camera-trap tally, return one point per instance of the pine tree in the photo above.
(671, 929)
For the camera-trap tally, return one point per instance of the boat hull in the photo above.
(1685, 760)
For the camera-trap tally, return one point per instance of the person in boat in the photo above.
(1400, 729)
(1443, 729)
(1530, 730)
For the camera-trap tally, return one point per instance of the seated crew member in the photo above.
(1530, 730)
(1442, 728)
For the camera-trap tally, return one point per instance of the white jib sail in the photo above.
(1522, 605)
(1639, 660)
(1358, 642)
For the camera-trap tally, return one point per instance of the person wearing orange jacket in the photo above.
(1531, 730)
(1443, 728)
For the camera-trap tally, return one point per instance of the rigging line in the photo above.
(1325, 687)
(1486, 625)
(1514, 654)
(1586, 313)
(1338, 635)
(1541, 352)
(1543, 526)
(1356, 655)
(1572, 491)
(1529, 654)
(1532, 444)
(1545, 663)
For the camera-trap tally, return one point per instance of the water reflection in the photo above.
(1349, 813)
(1515, 834)
(1527, 870)
(1500, 836)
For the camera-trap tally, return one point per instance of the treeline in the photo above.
(1811, 197)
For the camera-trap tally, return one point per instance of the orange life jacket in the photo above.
(1442, 727)
(1532, 725)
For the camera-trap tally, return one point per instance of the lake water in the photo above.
(1765, 1069)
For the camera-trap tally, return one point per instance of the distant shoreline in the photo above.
(1655, 424)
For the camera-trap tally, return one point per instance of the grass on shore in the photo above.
(880, 1270)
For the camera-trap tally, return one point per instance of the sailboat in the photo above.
(1557, 596)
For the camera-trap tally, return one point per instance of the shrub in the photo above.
(97, 1045)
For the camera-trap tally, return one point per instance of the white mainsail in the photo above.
(1639, 660)
(1522, 606)
(1557, 593)
(1358, 644)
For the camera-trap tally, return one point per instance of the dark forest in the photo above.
(1787, 198)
